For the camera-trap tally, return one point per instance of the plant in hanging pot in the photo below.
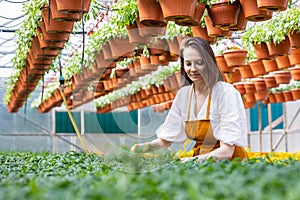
(296, 90)
(235, 56)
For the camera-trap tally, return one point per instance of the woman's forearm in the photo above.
(225, 151)
(158, 144)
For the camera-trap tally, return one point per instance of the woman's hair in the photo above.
(212, 73)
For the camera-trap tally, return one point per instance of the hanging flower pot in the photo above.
(270, 65)
(173, 46)
(282, 77)
(241, 22)
(223, 65)
(234, 76)
(53, 26)
(249, 87)
(150, 13)
(225, 14)
(176, 10)
(249, 104)
(283, 48)
(246, 71)
(38, 53)
(261, 95)
(261, 50)
(257, 67)
(60, 16)
(121, 48)
(294, 56)
(295, 72)
(240, 87)
(279, 97)
(270, 81)
(150, 31)
(73, 6)
(287, 95)
(48, 45)
(253, 13)
(100, 60)
(134, 35)
(107, 52)
(296, 93)
(294, 39)
(271, 98)
(272, 5)
(53, 37)
(214, 31)
(260, 84)
(200, 31)
(158, 47)
(235, 57)
(283, 62)
(195, 20)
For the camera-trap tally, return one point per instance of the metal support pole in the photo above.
(259, 126)
(270, 126)
(284, 126)
(82, 125)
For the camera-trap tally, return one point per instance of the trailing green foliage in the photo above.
(75, 175)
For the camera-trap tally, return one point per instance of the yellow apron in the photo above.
(201, 132)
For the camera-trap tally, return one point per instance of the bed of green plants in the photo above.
(76, 175)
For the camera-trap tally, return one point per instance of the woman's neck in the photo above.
(201, 89)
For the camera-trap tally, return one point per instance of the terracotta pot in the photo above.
(121, 48)
(261, 50)
(249, 104)
(195, 20)
(287, 95)
(257, 67)
(282, 77)
(281, 49)
(249, 97)
(73, 6)
(261, 95)
(272, 5)
(223, 65)
(135, 37)
(147, 31)
(294, 39)
(54, 26)
(241, 22)
(60, 16)
(53, 37)
(260, 84)
(224, 15)
(252, 13)
(48, 45)
(272, 98)
(100, 60)
(234, 76)
(270, 65)
(295, 72)
(296, 93)
(159, 47)
(235, 57)
(240, 87)
(173, 46)
(270, 81)
(176, 10)
(279, 97)
(38, 53)
(213, 31)
(107, 52)
(283, 62)
(295, 57)
(246, 71)
(199, 31)
(249, 87)
(150, 13)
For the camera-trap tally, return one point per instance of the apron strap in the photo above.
(190, 102)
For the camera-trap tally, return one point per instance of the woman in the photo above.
(208, 110)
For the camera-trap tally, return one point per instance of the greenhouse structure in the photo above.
(90, 87)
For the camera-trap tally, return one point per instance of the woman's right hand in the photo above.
(140, 148)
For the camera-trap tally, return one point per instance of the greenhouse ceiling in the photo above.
(11, 19)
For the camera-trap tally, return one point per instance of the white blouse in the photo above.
(227, 116)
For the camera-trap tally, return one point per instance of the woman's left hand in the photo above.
(195, 158)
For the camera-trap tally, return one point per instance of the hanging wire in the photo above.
(83, 33)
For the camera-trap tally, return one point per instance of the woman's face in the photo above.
(193, 64)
